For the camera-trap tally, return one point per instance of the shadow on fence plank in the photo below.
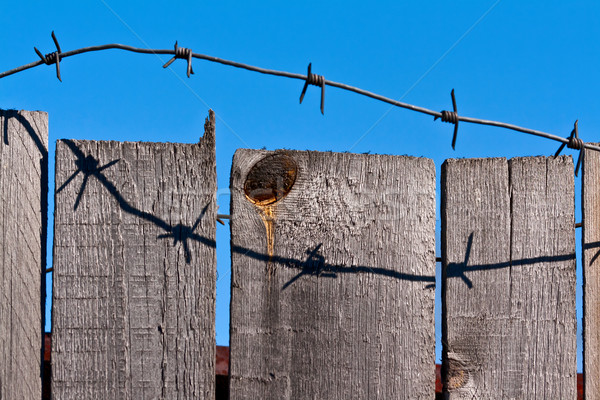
(90, 166)
(316, 265)
(43, 150)
(459, 270)
(593, 245)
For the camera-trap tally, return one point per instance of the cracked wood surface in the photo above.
(134, 270)
(332, 284)
(508, 244)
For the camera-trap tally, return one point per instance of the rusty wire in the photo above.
(572, 141)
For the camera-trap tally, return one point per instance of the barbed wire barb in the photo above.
(451, 117)
(185, 54)
(574, 142)
(316, 80)
(52, 58)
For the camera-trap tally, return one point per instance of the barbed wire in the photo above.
(572, 141)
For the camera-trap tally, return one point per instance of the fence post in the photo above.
(508, 295)
(24, 193)
(134, 270)
(591, 276)
(333, 274)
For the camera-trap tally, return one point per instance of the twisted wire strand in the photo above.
(449, 116)
(343, 86)
(50, 58)
(316, 80)
(576, 143)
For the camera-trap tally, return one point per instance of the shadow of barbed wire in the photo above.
(459, 270)
(592, 245)
(315, 264)
(90, 167)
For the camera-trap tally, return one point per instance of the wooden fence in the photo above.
(23, 193)
(333, 272)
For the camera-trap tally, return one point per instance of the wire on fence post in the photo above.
(185, 54)
(316, 80)
(52, 58)
(451, 117)
(574, 143)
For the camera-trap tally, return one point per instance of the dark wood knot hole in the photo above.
(270, 179)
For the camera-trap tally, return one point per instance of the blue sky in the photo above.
(533, 64)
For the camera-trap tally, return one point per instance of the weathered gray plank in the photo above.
(508, 248)
(591, 275)
(24, 193)
(134, 270)
(332, 285)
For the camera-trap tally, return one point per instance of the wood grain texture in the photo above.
(23, 191)
(591, 276)
(338, 303)
(508, 245)
(134, 270)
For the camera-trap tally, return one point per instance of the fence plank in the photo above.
(332, 285)
(508, 248)
(591, 275)
(24, 194)
(134, 270)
